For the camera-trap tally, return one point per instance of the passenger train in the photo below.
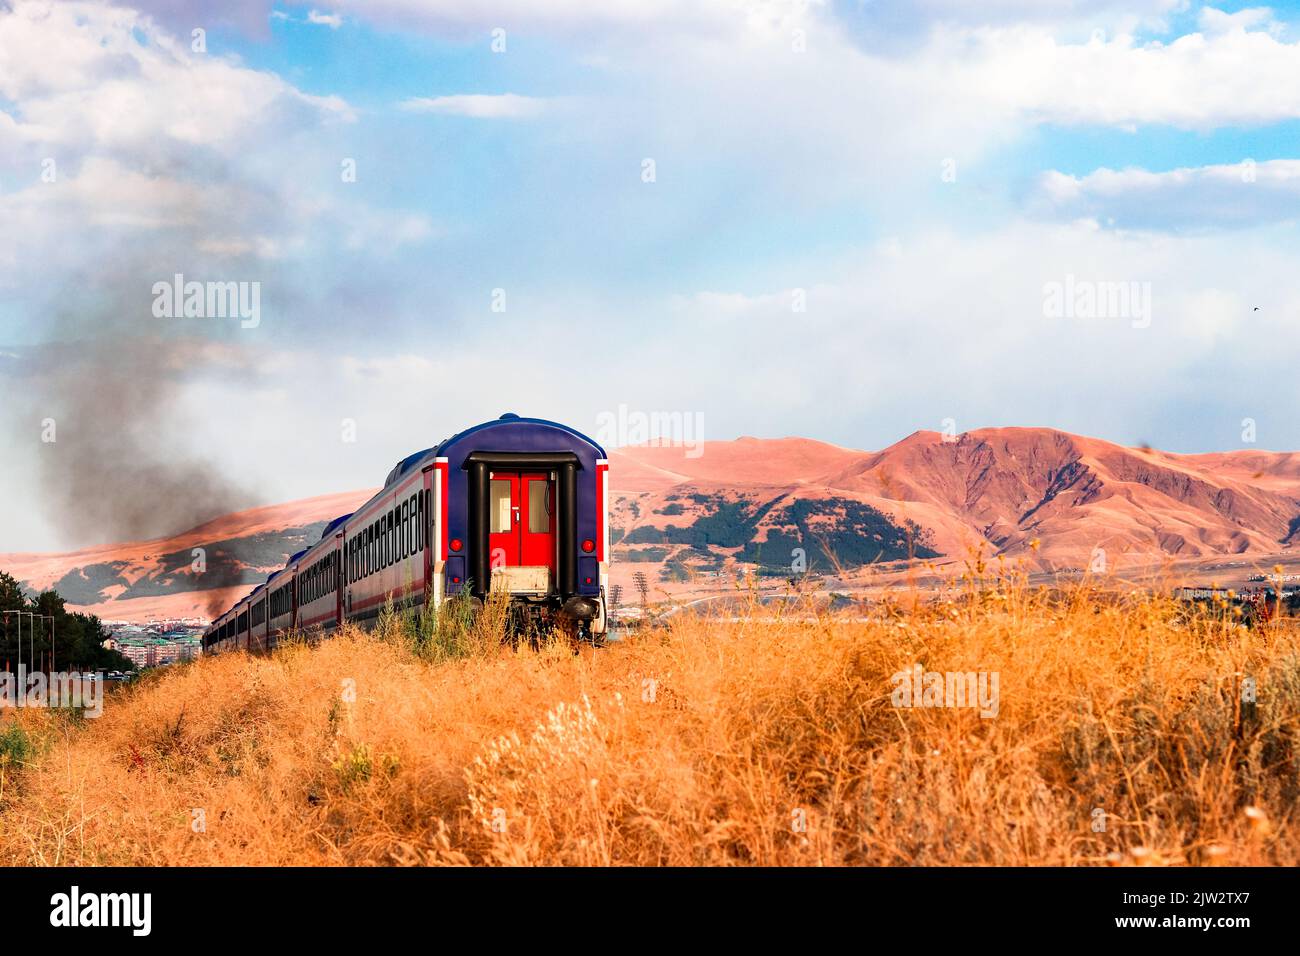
(516, 506)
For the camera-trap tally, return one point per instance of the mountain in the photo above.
(686, 517)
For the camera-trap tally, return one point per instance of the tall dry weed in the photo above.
(1128, 731)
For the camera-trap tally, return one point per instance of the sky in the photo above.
(845, 221)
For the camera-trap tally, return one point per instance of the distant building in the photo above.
(158, 651)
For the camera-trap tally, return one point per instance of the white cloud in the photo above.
(1213, 20)
(1197, 81)
(1204, 197)
(480, 106)
(582, 17)
(88, 76)
(331, 20)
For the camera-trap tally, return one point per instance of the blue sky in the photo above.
(917, 174)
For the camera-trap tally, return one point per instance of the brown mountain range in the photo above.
(1047, 497)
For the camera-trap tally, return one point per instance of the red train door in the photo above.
(537, 521)
(521, 530)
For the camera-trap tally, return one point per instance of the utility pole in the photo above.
(20, 631)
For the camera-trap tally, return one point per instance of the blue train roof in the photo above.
(329, 528)
(405, 465)
(297, 556)
(512, 418)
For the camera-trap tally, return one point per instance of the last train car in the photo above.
(515, 506)
(526, 514)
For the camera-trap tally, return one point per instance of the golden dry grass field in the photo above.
(1121, 738)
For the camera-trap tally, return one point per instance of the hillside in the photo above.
(1043, 496)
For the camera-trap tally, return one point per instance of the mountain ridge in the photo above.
(1044, 496)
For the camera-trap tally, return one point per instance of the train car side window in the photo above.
(430, 520)
(406, 529)
(417, 515)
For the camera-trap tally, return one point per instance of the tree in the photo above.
(11, 593)
(78, 639)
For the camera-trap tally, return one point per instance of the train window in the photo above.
(406, 528)
(390, 552)
(539, 507)
(374, 547)
(418, 514)
(412, 510)
(499, 506)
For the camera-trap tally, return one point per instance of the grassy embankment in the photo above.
(768, 741)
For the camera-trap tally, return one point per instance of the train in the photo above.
(514, 506)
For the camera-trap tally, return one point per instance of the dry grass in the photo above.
(388, 750)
